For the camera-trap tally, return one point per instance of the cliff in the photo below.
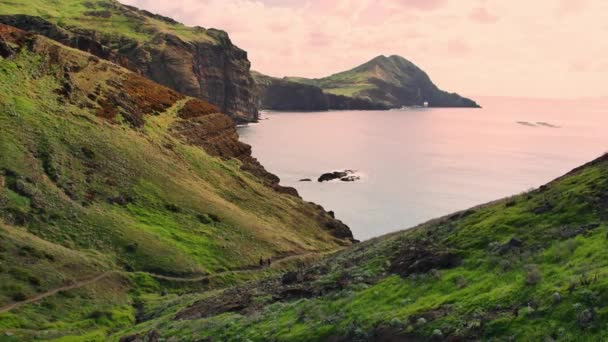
(283, 94)
(197, 62)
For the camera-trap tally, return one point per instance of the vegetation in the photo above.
(530, 267)
(111, 224)
(109, 18)
(84, 193)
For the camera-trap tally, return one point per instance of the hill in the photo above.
(111, 184)
(392, 81)
(194, 61)
(531, 267)
(284, 94)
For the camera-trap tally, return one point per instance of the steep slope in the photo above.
(194, 61)
(392, 81)
(532, 267)
(283, 94)
(108, 176)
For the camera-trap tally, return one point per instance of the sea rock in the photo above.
(345, 176)
(350, 178)
(332, 175)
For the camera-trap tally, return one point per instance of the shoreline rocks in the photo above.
(345, 176)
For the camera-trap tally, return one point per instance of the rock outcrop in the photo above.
(207, 66)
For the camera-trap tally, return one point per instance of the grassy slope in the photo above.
(353, 82)
(123, 22)
(491, 295)
(186, 212)
(348, 83)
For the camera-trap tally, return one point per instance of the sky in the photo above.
(525, 48)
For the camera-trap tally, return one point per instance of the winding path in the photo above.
(64, 288)
(85, 282)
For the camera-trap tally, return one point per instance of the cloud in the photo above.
(458, 48)
(319, 39)
(482, 15)
(426, 5)
(567, 7)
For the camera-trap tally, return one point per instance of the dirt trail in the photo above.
(85, 282)
(43, 295)
(275, 262)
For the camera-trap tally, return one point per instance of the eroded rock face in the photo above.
(216, 72)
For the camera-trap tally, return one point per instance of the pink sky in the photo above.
(540, 48)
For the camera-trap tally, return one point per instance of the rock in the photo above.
(289, 278)
(437, 334)
(545, 207)
(515, 242)
(344, 176)
(557, 297)
(421, 321)
(305, 180)
(332, 175)
(350, 178)
(586, 317)
(569, 232)
(512, 244)
(423, 258)
(150, 336)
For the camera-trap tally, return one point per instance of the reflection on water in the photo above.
(420, 164)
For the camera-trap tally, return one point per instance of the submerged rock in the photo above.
(350, 178)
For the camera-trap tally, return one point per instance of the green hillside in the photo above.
(105, 173)
(532, 267)
(107, 17)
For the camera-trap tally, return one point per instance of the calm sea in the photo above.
(420, 164)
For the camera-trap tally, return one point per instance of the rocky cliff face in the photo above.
(282, 94)
(212, 69)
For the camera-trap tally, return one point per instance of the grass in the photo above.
(81, 194)
(118, 22)
(546, 289)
